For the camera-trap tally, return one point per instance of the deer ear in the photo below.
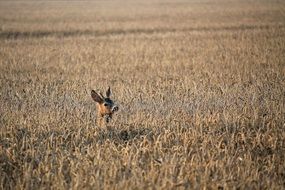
(96, 97)
(108, 92)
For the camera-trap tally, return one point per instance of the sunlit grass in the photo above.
(200, 86)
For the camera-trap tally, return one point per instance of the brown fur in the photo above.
(105, 106)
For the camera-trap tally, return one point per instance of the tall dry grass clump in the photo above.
(200, 86)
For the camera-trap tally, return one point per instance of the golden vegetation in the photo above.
(200, 84)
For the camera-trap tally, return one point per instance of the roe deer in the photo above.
(105, 106)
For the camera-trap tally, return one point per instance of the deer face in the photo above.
(105, 106)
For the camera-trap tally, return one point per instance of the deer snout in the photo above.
(115, 109)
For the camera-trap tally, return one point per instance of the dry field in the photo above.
(200, 84)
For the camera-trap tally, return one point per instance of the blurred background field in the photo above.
(200, 85)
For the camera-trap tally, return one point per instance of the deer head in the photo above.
(105, 106)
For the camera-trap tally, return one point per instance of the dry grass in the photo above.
(200, 86)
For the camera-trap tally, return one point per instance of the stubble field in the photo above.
(200, 85)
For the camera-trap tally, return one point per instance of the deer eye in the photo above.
(105, 104)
